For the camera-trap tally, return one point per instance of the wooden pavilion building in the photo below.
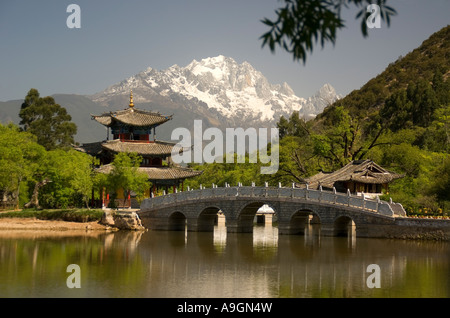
(134, 130)
(358, 176)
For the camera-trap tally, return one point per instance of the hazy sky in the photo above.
(118, 39)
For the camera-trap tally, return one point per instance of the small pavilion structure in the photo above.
(133, 130)
(358, 176)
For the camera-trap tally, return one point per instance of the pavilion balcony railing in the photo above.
(266, 193)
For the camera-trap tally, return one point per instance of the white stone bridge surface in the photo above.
(196, 210)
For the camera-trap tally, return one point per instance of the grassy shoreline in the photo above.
(70, 215)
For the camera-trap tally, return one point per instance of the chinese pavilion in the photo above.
(131, 131)
(358, 176)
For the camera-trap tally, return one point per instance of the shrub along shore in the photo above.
(69, 215)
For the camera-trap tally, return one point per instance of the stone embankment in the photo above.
(121, 219)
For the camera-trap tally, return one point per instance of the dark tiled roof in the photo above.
(169, 173)
(363, 171)
(159, 173)
(93, 148)
(132, 116)
(141, 147)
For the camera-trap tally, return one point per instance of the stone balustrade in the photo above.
(267, 193)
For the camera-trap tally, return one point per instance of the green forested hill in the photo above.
(422, 63)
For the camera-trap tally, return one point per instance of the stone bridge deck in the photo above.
(197, 209)
(272, 193)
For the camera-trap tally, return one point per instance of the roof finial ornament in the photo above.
(131, 99)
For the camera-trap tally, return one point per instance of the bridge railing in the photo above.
(321, 196)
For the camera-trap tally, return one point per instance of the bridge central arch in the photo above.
(301, 220)
(177, 221)
(344, 226)
(206, 219)
(245, 218)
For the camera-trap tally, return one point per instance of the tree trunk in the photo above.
(34, 201)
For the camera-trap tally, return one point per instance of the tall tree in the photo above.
(20, 157)
(69, 178)
(47, 120)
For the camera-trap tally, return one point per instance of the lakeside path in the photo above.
(49, 225)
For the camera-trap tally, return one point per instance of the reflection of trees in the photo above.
(35, 264)
(196, 264)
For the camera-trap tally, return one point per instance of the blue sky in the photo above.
(118, 39)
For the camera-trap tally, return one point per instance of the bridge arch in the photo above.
(246, 215)
(206, 219)
(344, 225)
(299, 220)
(176, 221)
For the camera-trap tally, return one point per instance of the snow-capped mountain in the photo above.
(217, 88)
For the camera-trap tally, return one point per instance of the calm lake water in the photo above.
(186, 264)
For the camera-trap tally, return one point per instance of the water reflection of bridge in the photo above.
(263, 264)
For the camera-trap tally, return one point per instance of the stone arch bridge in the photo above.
(197, 210)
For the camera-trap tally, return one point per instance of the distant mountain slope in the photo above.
(9, 111)
(78, 106)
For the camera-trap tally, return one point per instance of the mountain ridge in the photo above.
(217, 87)
(217, 90)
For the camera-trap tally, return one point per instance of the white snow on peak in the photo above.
(234, 90)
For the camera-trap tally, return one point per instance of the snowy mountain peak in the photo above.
(219, 86)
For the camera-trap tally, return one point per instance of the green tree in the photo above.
(126, 176)
(441, 88)
(296, 159)
(20, 157)
(440, 186)
(437, 135)
(47, 120)
(424, 102)
(294, 126)
(70, 179)
(397, 111)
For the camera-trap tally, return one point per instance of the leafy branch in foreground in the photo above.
(302, 23)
